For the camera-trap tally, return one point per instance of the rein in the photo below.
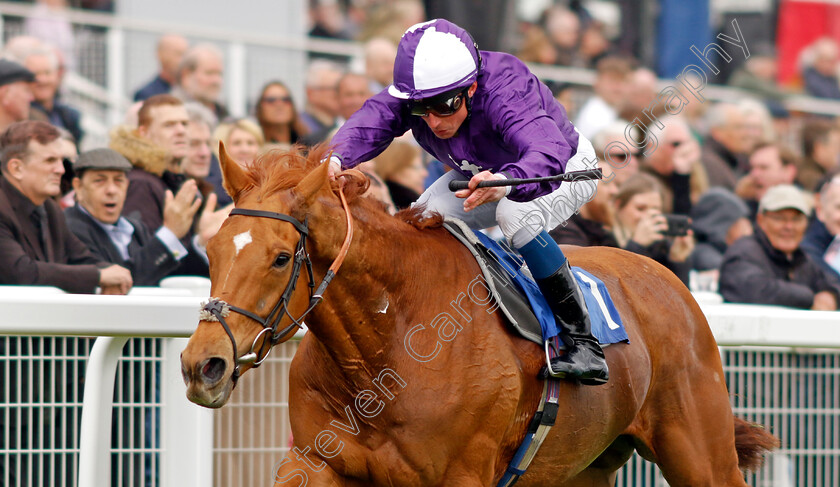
(217, 310)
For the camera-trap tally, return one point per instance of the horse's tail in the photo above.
(752, 441)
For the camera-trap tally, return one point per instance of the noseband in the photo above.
(217, 310)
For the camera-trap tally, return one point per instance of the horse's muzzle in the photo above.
(208, 382)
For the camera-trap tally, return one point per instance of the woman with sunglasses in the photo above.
(277, 116)
(488, 117)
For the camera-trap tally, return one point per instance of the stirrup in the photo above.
(548, 357)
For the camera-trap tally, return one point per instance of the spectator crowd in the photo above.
(711, 193)
(731, 196)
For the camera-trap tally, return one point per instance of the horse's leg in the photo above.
(466, 480)
(593, 477)
(475, 468)
(291, 473)
(686, 423)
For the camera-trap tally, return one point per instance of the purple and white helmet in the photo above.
(432, 58)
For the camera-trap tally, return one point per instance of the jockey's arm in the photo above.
(542, 154)
(368, 132)
(543, 149)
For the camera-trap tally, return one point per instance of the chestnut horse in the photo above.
(401, 381)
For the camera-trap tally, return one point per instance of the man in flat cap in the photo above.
(36, 247)
(15, 93)
(101, 184)
(769, 267)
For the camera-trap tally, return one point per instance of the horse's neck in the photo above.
(379, 293)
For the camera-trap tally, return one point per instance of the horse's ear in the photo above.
(313, 182)
(233, 177)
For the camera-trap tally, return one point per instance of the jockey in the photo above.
(487, 116)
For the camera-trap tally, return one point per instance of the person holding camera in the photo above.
(642, 228)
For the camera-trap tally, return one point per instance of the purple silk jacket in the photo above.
(516, 128)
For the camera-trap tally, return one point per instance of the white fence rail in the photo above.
(186, 431)
(187, 442)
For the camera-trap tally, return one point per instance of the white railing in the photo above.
(772, 326)
(187, 443)
(187, 430)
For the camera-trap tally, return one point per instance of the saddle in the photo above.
(498, 275)
(519, 298)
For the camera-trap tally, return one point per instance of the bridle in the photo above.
(217, 310)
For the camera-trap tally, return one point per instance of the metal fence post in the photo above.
(237, 87)
(116, 74)
(95, 437)
(187, 429)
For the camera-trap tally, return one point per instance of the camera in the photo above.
(678, 225)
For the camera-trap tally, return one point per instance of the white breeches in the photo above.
(520, 222)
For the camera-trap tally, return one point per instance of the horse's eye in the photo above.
(282, 260)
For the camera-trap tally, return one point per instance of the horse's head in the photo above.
(260, 269)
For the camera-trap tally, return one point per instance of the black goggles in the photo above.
(444, 105)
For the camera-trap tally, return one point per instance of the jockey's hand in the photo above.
(478, 196)
(335, 167)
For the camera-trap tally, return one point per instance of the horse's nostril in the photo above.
(213, 370)
(184, 374)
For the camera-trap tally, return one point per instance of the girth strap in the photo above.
(540, 425)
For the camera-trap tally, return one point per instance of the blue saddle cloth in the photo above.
(606, 322)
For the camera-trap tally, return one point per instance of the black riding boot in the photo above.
(584, 360)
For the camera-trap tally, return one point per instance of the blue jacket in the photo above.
(515, 127)
(157, 86)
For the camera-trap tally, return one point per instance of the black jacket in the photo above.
(578, 230)
(61, 115)
(149, 259)
(402, 196)
(754, 272)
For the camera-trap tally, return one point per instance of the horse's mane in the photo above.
(278, 170)
(414, 216)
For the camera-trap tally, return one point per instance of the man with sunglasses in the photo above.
(487, 116)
